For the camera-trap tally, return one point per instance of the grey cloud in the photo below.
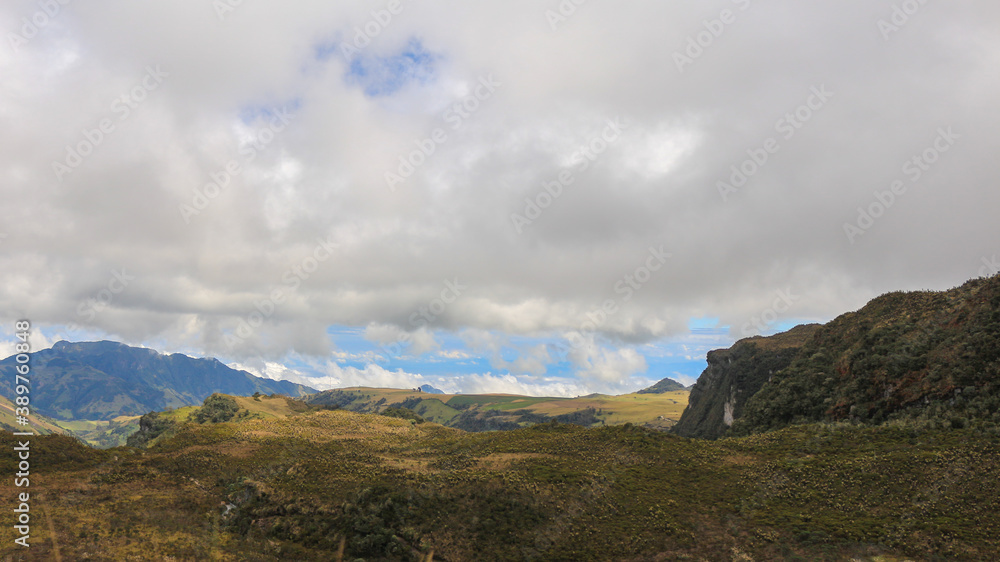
(656, 185)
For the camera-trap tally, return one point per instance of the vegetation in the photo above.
(929, 357)
(292, 487)
(733, 376)
(151, 426)
(402, 413)
(873, 437)
(924, 356)
(39, 424)
(216, 409)
(493, 412)
(665, 385)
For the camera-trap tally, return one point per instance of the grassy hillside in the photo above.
(922, 355)
(39, 424)
(299, 484)
(478, 412)
(927, 356)
(102, 433)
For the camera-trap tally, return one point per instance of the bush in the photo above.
(216, 409)
(151, 426)
(404, 413)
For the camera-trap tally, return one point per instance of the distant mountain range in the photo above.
(923, 356)
(103, 380)
(430, 389)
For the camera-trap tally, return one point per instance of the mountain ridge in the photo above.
(927, 356)
(105, 379)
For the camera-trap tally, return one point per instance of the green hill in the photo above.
(665, 385)
(488, 412)
(924, 357)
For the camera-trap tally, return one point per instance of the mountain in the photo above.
(734, 375)
(430, 389)
(665, 385)
(921, 357)
(104, 380)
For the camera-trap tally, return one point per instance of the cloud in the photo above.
(594, 361)
(395, 341)
(489, 383)
(519, 358)
(169, 100)
(324, 375)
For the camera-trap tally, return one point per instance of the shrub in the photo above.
(216, 409)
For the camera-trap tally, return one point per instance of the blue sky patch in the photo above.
(384, 76)
(251, 114)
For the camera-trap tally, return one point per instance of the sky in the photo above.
(546, 198)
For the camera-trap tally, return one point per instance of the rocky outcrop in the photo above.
(733, 376)
(927, 357)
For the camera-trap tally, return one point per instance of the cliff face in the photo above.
(930, 357)
(933, 357)
(733, 376)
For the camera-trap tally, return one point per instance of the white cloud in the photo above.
(324, 174)
(594, 361)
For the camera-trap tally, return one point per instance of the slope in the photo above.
(923, 356)
(485, 412)
(301, 485)
(104, 380)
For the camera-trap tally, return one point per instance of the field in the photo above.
(298, 484)
(658, 411)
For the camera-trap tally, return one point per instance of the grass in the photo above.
(658, 411)
(39, 424)
(626, 408)
(298, 482)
